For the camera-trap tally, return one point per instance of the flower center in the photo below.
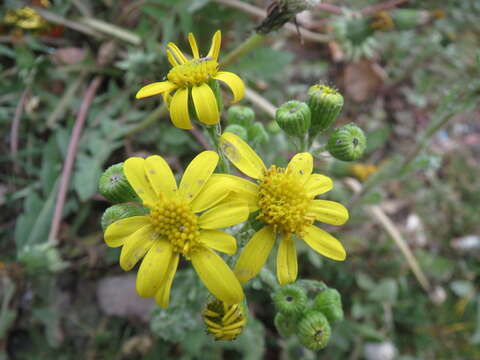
(283, 201)
(175, 222)
(193, 72)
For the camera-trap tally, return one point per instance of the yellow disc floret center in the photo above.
(175, 222)
(193, 72)
(283, 201)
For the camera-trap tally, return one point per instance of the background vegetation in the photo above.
(414, 91)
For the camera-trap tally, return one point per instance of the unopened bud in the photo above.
(121, 211)
(240, 115)
(314, 330)
(294, 118)
(114, 186)
(325, 105)
(347, 143)
(238, 130)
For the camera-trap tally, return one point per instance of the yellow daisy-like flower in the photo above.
(183, 220)
(285, 199)
(190, 77)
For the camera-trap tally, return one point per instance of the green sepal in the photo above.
(314, 330)
(329, 302)
(285, 325)
(347, 143)
(325, 105)
(238, 130)
(122, 211)
(257, 133)
(241, 115)
(290, 300)
(294, 118)
(114, 186)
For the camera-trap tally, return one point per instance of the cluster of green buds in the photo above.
(305, 121)
(241, 122)
(114, 186)
(224, 322)
(308, 318)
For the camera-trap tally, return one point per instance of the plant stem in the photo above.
(156, 114)
(214, 135)
(254, 41)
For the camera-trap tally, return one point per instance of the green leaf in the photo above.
(386, 291)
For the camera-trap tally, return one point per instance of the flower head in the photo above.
(285, 200)
(190, 78)
(183, 221)
(224, 322)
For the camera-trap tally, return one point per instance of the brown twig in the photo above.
(15, 126)
(387, 5)
(70, 158)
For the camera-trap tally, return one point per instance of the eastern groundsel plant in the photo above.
(286, 204)
(191, 79)
(182, 221)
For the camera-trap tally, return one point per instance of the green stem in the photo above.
(254, 41)
(214, 133)
(160, 111)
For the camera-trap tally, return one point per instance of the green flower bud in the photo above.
(314, 330)
(240, 115)
(347, 143)
(290, 300)
(258, 134)
(121, 211)
(238, 130)
(407, 19)
(325, 104)
(114, 186)
(294, 118)
(329, 302)
(286, 325)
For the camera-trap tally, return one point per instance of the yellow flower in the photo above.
(182, 221)
(224, 322)
(285, 199)
(190, 77)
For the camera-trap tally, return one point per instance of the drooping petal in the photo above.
(329, 212)
(116, 233)
(136, 246)
(324, 243)
(160, 176)
(155, 88)
(205, 104)
(218, 240)
(242, 155)
(177, 53)
(171, 59)
(246, 190)
(193, 45)
(215, 190)
(301, 165)
(163, 295)
(217, 276)
(197, 174)
(287, 267)
(154, 268)
(318, 184)
(255, 254)
(215, 47)
(179, 110)
(134, 169)
(225, 214)
(234, 83)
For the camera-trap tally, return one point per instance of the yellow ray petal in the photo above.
(301, 165)
(154, 268)
(193, 45)
(205, 104)
(179, 110)
(318, 184)
(225, 214)
(197, 174)
(217, 276)
(242, 155)
(255, 254)
(136, 246)
(171, 59)
(155, 88)
(246, 190)
(287, 267)
(215, 190)
(160, 176)
(163, 295)
(177, 53)
(329, 212)
(324, 243)
(215, 47)
(234, 83)
(134, 169)
(116, 233)
(218, 240)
